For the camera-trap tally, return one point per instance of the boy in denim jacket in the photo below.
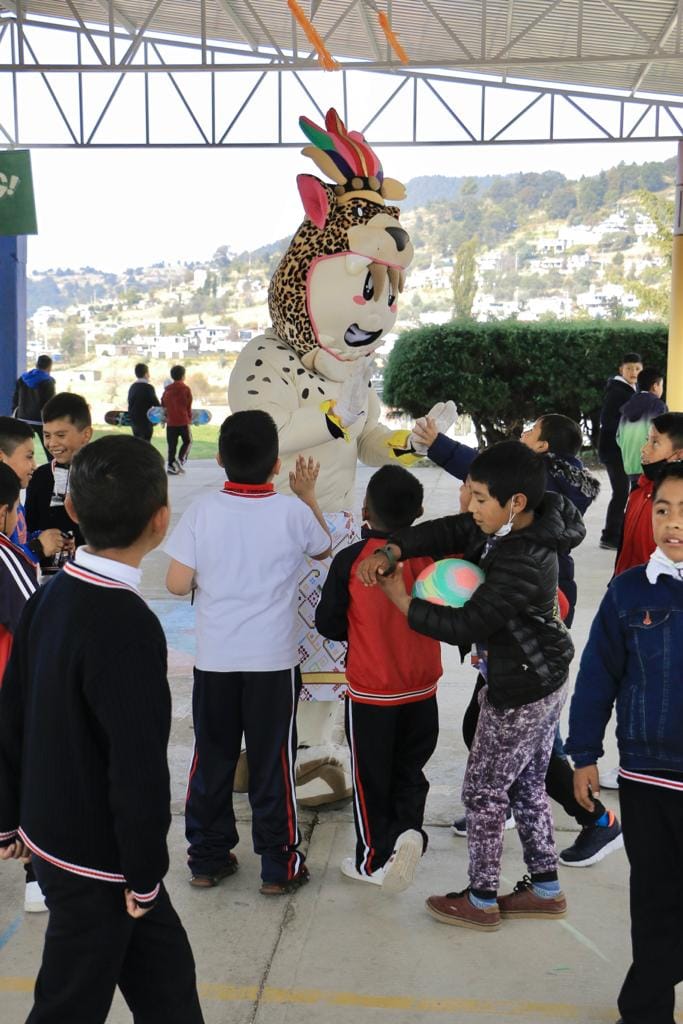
(633, 657)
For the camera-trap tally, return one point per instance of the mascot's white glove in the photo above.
(353, 395)
(443, 415)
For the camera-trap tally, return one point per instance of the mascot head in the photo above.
(334, 293)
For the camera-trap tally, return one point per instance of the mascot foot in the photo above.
(241, 781)
(322, 777)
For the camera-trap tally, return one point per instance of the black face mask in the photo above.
(652, 470)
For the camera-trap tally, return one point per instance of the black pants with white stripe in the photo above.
(92, 945)
(389, 748)
(262, 705)
(652, 820)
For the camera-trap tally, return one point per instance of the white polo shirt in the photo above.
(246, 544)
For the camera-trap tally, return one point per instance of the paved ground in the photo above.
(342, 953)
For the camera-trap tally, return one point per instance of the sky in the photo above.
(113, 209)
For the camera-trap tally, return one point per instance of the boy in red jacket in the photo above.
(664, 444)
(177, 401)
(392, 722)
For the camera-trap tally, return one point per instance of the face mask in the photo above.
(507, 527)
(652, 469)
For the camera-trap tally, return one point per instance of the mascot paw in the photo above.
(322, 776)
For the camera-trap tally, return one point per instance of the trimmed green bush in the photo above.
(506, 373)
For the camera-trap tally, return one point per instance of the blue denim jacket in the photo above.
(634, 656)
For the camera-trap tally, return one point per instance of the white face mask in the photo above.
(506, 527)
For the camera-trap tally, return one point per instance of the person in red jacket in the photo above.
(664, 444)
(392, 720)
(177, 401)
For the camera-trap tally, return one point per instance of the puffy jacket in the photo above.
(514, 611)
(633, 656)
(33, 389)
(638, 540)
(565, 475)
(617, 393)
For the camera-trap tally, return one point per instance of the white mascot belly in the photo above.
(332, 299)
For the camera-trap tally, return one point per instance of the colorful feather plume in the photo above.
(348, 151)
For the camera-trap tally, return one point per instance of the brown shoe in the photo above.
(209, 881)
(457, 908)
(283, 888)
(524, 902)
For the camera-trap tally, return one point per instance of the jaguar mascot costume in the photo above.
(332, 299)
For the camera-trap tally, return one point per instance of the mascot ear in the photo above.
(314, 198)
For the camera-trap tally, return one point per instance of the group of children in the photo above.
(176, 400)
(98, 674)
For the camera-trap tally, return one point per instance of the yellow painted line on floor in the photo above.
(498, 1008)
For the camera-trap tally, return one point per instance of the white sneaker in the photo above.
(349, 870)
(609, 779)
(34, 901)
(399, 870)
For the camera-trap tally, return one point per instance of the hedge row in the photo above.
(506, 373)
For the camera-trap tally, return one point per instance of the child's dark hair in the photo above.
(648, 377)
(66, 406)
(394, 498)
(10, 487)
(248, 445)
(630, 357)
(511, 468)
(562, 434)
(177, 372)
(671, 424)
(12, 434)
(44, 363)
(117, 484)
(672, 471)
(141, 370)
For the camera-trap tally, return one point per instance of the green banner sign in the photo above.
(17, 205)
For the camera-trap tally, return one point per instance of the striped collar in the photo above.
(16, 549)
(249, 490)
(104, 572)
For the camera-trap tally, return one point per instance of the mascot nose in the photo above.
(399, 236)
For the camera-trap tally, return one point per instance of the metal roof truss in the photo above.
(79, 82)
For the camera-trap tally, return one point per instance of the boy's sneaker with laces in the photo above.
(523, 902)
(34, 901)
(399, 870)
(172, 469)
(180, 465)
(459, 826)
(199, 881)
(593, 843)
(457, 908)
(349, 870)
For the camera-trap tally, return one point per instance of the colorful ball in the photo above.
(452, 581)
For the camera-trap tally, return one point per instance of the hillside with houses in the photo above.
(544, 247)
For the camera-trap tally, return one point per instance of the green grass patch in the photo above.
(204, 441)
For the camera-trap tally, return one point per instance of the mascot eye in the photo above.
(360, 210)
(368, 287)
(391, 299)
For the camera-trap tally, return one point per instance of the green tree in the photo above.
(464, 279)
(73, 340)
(656, 298)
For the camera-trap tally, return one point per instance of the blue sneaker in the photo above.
(593, 843)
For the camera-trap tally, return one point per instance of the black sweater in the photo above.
(85, 715)
(514, 611)
(617, 393)
(41, 514)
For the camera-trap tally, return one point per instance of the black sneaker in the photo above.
(459, 826)
(608, 545)
(593, 843)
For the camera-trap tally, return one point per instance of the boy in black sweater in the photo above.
(67, 427)
(85, 715)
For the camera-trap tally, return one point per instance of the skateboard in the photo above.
(117, 418)
(157, 414)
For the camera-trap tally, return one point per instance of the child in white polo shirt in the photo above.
(241, 550)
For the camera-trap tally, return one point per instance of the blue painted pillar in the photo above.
(12, 316)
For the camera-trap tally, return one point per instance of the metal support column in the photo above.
(674, 373)
(12, 316)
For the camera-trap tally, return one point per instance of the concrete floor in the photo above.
(338, 952)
